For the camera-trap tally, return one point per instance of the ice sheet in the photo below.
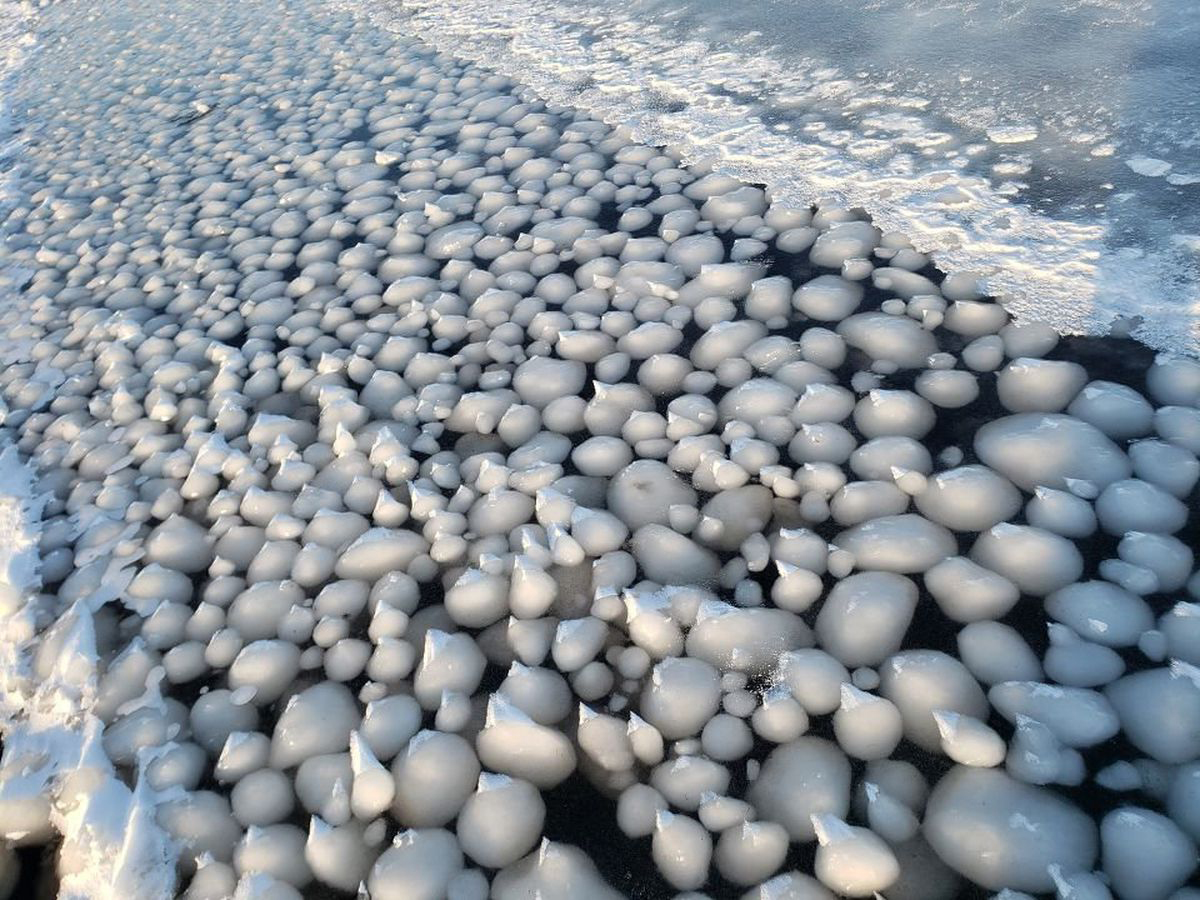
(1027, 143)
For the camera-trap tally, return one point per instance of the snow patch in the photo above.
(56, 774)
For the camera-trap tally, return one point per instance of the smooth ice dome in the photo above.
(672, 558)
(806, 777)
(419, 864)
(969, 498)
(501, 821)
(1101, 612)
(1061, 512)
(994, 652)
(318, 720)
(682, 695)
(865, 617)
(828, 298)
(434, 775)
(882, 413)
(968, 592)
(682, 849)
(1145, 854)
(853, 861)
(904, 543)
(1076, 716)
(540, 380)
(552, 870)
(968, 741)
(1159, 711)
(1002, 833)
(1136, 505)
(745, 640)
(513, 744)
(1038, 562)
(921, 681)
(894, 339)
(1032, 449)
(1039, 385)
(866, 726)
(179, 544)
(1117, 410)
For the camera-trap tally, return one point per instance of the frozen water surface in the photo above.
(413, 487)
(1047, 147)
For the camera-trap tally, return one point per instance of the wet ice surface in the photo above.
(1050, 148)
(441, 494)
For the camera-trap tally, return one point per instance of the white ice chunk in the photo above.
(1146, 856)
(806, 777)
(317, 720)
(745, 640)
(1033, 449)
(682, 850)
(501, 821)
(1039, 385)
(1038, 562)
(418, 866)
(967, 592)
(552, 872)
(1076, 716)
(1136, 505)
(995, 652)
(434, 776)
(895, 339)
(920, 681)
(514, 744)
(1101, 612)
(681, 696)
(864, 618)
(1001, 833)
(867, 726)
(968, 741)
(1159, 711)
(905, 543)
(968, 498)
(853, 861)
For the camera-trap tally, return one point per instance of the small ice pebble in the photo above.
(867, 726)
(798, 780)
(682, 850)
(853, 861)
(968, 741)
(501, 821)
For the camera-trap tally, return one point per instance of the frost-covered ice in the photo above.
(416, 489)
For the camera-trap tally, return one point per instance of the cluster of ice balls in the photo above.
(416, 447)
